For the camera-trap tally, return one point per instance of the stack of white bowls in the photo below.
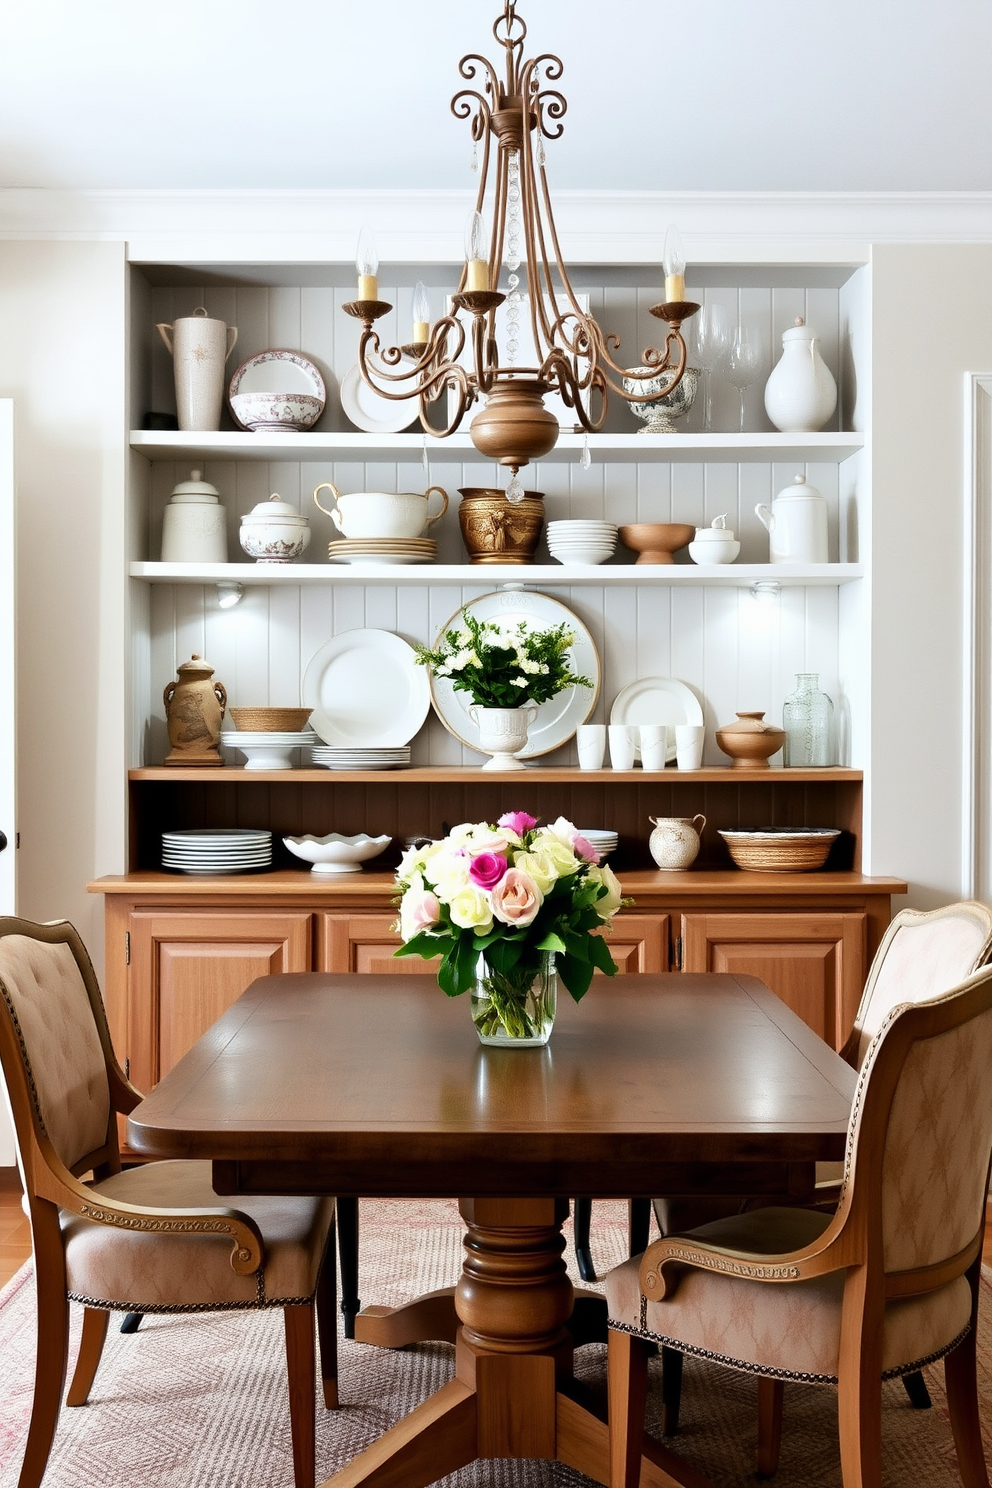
(604, 841)
(579, 542)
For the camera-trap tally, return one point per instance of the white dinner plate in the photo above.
(656, 700)
(278, 370)
(557, 719)
(365, 688)
(369, 411)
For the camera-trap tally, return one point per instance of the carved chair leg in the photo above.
(639, 1224)
(671, 1389)
(327, 1324)
(346, 1211)
(581, 1224)
(627, 1378)
(95, 1324)
(49, 1379)
(302, 1376)
(916, 1388)
(960, 1376)
(770, 1393)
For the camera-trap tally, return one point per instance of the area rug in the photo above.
(200, 1402)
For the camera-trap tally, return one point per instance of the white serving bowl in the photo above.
(577, 553)
(276, 413)
(336, 853)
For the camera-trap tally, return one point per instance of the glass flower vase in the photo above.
(516, 1009)
(806, 717)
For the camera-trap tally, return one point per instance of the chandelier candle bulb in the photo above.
(367, 264)
(421, 313)
(477, 264)
(674, 267)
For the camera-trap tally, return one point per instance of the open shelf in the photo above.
(464, 774)
(624, 448)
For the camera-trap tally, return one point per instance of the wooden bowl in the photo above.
(780, 850)
(655, 542)
(269, 720)
(750, 741)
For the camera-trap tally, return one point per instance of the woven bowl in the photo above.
(785, 850)
(269, 720)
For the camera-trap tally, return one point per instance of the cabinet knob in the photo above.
(3, 841)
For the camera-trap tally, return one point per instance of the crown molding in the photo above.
(427, 226)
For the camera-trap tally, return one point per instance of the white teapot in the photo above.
(800, 394)
(274, 531)
(797, 524)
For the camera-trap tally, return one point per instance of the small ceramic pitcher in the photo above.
(200, 346)
(675, 842)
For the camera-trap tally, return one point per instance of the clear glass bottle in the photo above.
(807, 715)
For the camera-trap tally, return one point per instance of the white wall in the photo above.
(922, 346)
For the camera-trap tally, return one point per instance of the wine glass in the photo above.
(712, 328)
(742, 363)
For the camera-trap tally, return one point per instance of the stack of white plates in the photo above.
(603, 841)
(383, 550)
(582, 541)
(356, 757)
(267, 751)
(217, 850)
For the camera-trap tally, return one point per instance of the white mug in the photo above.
(689, 745)
(590, 740)
(622, 745)
(654, 745)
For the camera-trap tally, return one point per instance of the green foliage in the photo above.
(504, 666)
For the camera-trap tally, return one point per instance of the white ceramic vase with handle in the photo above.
(675, 842)
(503, 733)
(800, 394)
(200, 347)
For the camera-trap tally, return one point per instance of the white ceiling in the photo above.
(712, 95)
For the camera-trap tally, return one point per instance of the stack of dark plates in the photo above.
(217, 850)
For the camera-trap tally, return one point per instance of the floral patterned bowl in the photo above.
(275, 413)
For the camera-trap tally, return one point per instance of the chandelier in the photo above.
(458, 358)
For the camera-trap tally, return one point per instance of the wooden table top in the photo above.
(356, 1084)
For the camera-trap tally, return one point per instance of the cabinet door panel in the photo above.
(188, 968)
(814, 962)
(639, 942)
(365, 943)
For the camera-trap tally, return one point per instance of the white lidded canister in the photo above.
(797, 524)
(194, 527)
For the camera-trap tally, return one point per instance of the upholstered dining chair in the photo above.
(886, 1282)
(921, 954)
(151, 1239)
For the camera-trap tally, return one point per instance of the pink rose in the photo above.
(582, 848)
(517, 821)
(516, 898)
(486, 869)
(419, 910)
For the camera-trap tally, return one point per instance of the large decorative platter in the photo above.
(365, 689)
(372, 413)
(556, 720)
(657, 700)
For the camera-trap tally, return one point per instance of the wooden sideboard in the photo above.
(181, 949)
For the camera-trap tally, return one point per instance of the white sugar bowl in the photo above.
(274, 531)
(194, 525)
(714, 544)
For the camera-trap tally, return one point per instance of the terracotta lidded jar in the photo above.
(750, 741)
(194, 712)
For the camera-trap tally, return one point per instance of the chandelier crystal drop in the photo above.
(460, 366)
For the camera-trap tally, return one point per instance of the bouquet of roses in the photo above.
(511, 893)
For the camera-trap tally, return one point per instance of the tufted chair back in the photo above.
(921, 1131)
(63, 1065)
(921, 955)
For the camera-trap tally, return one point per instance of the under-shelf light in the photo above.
(765, 591)
(228, 595)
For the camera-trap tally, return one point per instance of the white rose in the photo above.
(471, 909)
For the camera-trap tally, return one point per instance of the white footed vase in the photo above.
(800, 394)
(502, 734)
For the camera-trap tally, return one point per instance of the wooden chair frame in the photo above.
(852, 1243)
(50, 1186)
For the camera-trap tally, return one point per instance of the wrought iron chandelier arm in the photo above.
(451, 375)
(561, 377)
(442, 350)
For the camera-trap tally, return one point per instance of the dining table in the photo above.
(357, 1085)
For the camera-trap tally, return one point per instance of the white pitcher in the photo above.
(797, 524)
(200, 346)
(800, 394)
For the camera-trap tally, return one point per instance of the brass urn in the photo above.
(495, 530)
(515, 427)
(194, 712)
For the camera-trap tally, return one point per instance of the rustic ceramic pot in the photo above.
(750, 741)
(194, 712)
(675, 842)
(495, 530)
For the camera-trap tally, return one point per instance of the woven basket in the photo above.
(793, 852)
(269, 720)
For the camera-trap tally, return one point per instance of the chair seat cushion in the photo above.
(149, 1272)
(788, 1329)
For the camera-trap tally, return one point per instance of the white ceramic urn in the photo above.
(675, 842)
(274, 531)
(800, 394)
(194, 525)
(797, 524)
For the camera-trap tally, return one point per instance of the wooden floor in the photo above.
(15, 1235)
